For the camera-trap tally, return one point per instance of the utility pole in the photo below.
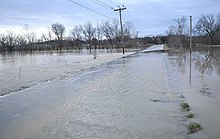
(119, 9)
(190, 43)
(190, 33)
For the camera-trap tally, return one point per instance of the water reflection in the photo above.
(203, 91)
(207, 62)
(200, 65)
(204, 60)
(180, 59)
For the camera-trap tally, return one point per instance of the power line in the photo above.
(90, 9)
(137, 12)
(100, 4)
(129, 18)
(150, 21)
(127, 15)
(104, 4)
(119, 3)
(113, 2)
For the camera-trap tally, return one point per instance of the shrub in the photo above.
(190, 115)
(194, 127)
(185, 106)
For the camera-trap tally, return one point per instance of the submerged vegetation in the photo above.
(185, 106)
(194, 127)
(190, 115)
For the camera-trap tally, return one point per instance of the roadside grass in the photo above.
(185, 106)
(194, 127)
(190, 115)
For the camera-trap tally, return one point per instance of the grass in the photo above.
(194, 127)
(190, 115)
(185, 106)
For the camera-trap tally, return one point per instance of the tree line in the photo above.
(206, 31)
(106, 34)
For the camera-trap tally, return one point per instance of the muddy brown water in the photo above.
(138, 96)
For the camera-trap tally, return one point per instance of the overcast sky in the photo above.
(148, 16)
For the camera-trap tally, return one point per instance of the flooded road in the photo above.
(21, 70)
(138, 96)
(201, 88)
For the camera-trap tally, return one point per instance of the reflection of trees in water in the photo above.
(181, 62)
(216, 58)
(207, 60)
(180, 57)
(204, 61)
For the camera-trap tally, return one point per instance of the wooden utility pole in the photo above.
(190, 33)
(190, 55)
(119, 9)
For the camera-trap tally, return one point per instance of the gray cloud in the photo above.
(150, 17)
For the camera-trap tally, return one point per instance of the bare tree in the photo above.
(47, 36)
(89, 33)
(8, 41)
(207, 26)
(179, 28)
(178, 33)
(29, 34)
(21, 42)
(111, 31)
(217, 35)
(58, 30)
(129, 32)
(105, 31)
(11, 41)
(3, 42)
(218, 20)
(44, 37)
(98, 33)
(115, 31)
(76, 34)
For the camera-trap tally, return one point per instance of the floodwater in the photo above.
(21, 70)
(138, 96)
